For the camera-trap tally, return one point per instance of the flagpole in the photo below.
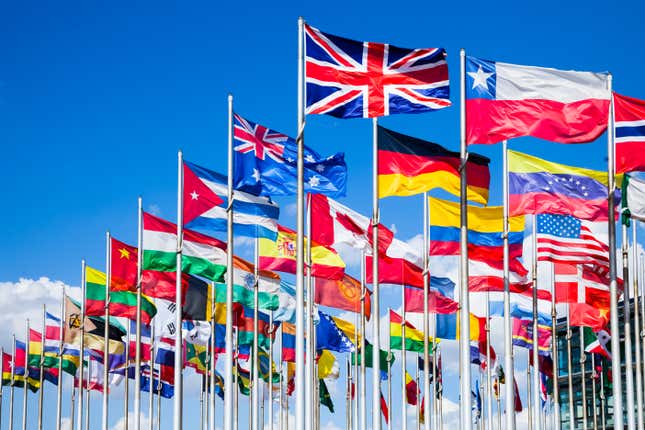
(637, 333)
(499, 405)
(629, 368)
(418, 405)
(72, 405)
(464, 313)
(81, 349)
(235, 387)
(59, 388)
(583, 385)
(106, 331)
(151, 382)
(348, 413)
(434, 398)
(42, 370)
(536, 357)
(572, 415)
(179, 392)
(426, 312)
(281, 369)
(356, 376)
(13, 367)
(362, 398)
(554, 355)
(613, 287)
(213, 361)
(404, 407)
(201, 402)
(594, 375)
(376, 362)
(228, 362)
(300, 243)
(1, 387)
(126, 388)
(26, 376)
(159, 385)
(640, 265)
(602, 394)
(489, 393)
(389, 388)
(270, 389)
(88, 391)
(529, 386)
(255, 380)
(137, 350)
(310, 344)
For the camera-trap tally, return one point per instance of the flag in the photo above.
(268, 284)
(348, 329)
(437, 303)
(49, 350)
(633, 199)
(325, 397)
(329, 336)
(7, 359)
(195, 356)
(333, 224)
(352, 79)
(408, 165)
(384, 410)
(160, 387)
(401, 265)
(411, 389)
(265, 163)
(538, 186)
(485, 227)
(629, 133)
(206, 200)
(584, 315)
(94, 331)
(280, 255)
(123, 266)
(477, 402)
(287, 302)
(523, 335)
(385, 359)
(21, 369)
(518, 400)
(504, 101)
(581, 284)
(447, 326)
(596, 342)
(327, 365)
(566, 239)
(245, 328)
(413, 336)
(288, 342)
(343, 294)
(122, 303)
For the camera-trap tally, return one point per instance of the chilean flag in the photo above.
(629, 126)
(504, 101)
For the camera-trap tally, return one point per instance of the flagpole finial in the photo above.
(230, 97)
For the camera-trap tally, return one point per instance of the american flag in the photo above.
(351, 79)
(566, 239)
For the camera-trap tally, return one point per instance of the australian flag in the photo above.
(266, 162)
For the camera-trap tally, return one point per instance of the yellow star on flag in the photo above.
(124, 253)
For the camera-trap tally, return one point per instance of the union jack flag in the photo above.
(258, 139)
(351, 79)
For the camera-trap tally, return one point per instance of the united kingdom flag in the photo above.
(256, 138)
(351, 79)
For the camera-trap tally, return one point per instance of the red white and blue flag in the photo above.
(504, 101)
(351, 79)
(629, 126)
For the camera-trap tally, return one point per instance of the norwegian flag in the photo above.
(566, 239)
(351, 79)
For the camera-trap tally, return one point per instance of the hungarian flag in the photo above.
(413, 337)
(596, 342)
(411, 389)
(343, 294)
(280, 255)
(123, 266)
(121, 303)
(504, 101)
(629, 132)
(408, 165)
(539, 186)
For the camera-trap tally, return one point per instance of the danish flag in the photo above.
(351, 79)
(259, 139)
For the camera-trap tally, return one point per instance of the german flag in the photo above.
(408, 165)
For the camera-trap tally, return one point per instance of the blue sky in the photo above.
(96, 99)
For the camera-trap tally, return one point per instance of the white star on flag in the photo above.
(256, 175)
(310, 159)
(314, 181)
(320, 168)
(194, 195)
(479, 78)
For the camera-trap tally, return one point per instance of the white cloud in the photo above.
(154, 209)
(120, 425)
(290, 209)
(351, 256)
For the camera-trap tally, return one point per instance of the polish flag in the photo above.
(507, 100)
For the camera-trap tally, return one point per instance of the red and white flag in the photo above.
(629, 128)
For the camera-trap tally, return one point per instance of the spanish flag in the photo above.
(280, 255)
(408, 165)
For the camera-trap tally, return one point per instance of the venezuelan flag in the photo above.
(408, 165)
(538, 186)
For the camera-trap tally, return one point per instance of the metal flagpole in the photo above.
(536, 357)
(426, 314)
(300, 243)
(418, 405)
(529, 386)
(201, 402)
(640, 265)
(26, 376)
(73, 405)
(179, 356)
(88, 392)
(362, 398)
(228, 353)
(270, 389)
(126, 387)
(594, 375)
(213, 361)
(602, 394)
(1, 387)
(583, 385)
(42, 370)
(489, 370)
(262, 406)
(629, 368)
(389, 389)
(255, 380)
(499, 405)
(572, 415)
(151, 382)
(137, 348)
(59, 388)
(11, 391)
(637, 333)
(81, 349)
(404, 407)
(348, 409)
(106, 332)
(464, 312)
(554, 355)
(613, 287)
(356, 378)
(376, 362)
(310, 404)
(159, 385)
(433, 397)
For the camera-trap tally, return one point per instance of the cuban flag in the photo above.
(504, 101)
(206, 200)
(265, 163)
(629, 126)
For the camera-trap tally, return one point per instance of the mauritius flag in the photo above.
(408, 165)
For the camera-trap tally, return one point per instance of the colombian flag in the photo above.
(408, 166)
